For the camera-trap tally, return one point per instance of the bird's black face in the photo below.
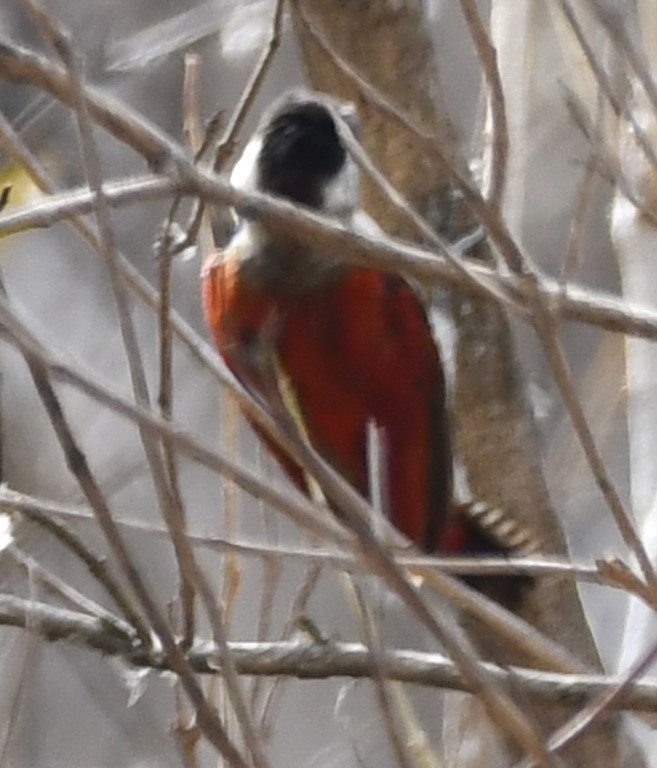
(301, 153)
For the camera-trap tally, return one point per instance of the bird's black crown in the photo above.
(301, 152)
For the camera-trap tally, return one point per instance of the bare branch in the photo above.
(316, 661)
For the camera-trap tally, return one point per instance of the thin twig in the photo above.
(305, 591)
(402, 732)
(62, 589)
(97, 566)
(587, 187)
(218, 610)
(12, 501)
(617, 574)
(500, 131)
(272, 571)
(165, 398)
(607, 157)
(228, 141)
(24, 676)
(230, 673)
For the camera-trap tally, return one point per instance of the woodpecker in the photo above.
(354, 342)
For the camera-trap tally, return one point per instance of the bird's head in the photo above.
(298, 152)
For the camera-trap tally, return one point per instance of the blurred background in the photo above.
(62, 706)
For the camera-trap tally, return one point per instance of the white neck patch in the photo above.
(244, 175)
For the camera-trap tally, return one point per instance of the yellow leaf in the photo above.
(21, 187)
(16, 188)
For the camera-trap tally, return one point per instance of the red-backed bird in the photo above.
(354, 342)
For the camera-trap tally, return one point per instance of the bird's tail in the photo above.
(488, 528)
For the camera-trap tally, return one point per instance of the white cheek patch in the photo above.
(340, 196)
(245, 173)
(249, 237)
